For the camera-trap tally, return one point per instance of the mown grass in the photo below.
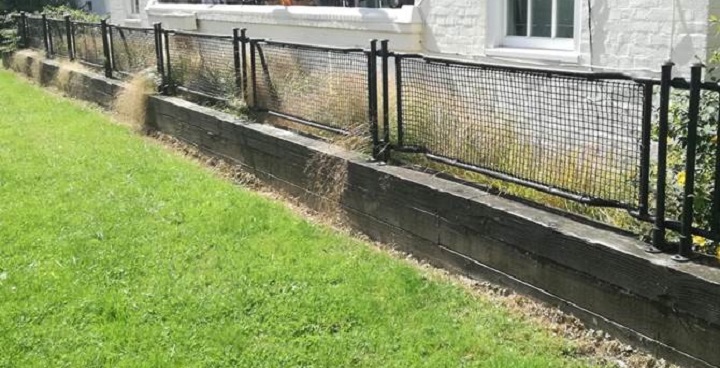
(116, 252)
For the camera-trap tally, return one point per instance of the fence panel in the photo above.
(88, 42)
(132, 49)
(203, 65)
(576, 136)
(35, 33)
(687, 170)
(57, 36)
(325, 88)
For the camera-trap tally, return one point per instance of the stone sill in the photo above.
(404, 20)
(565, 57)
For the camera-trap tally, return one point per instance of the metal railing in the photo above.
(132, 49)
(599, 139)
(333, 3)
(321, 87)
(201, 65)
(88, 43)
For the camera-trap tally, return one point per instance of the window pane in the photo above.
(541, 18)
(517, 17)
(566, 18)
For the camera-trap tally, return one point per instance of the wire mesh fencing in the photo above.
(132, 49)
(203, 65)
(88, 43)
(552, 131)
(34, 32)
(325, 88)
(57, 37)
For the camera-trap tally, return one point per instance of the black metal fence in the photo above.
(132, 49)
(203, 65)
(33, 32)
(600, 139)
(88, 44)
(58, 35)
(321, 87)
(572, 134)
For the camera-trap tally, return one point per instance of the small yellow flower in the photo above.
(681, 178)
(714, 139)
(698, 240)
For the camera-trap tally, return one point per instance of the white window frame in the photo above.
(135, 7)
(528, 42)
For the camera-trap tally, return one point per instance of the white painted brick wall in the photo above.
(637, 34)
(120, 13)
(627, 35)
(456, 27)
(714, 38)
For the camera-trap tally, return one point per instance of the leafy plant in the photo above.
(8, 34)
(34, 5)
(75, 14)
(707, 142)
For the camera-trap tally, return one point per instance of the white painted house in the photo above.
(129, 12)
(634, 36)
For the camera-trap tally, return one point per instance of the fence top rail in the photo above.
(89, 24)
(130, 28)
(682, 83)
(549, 71)
(199, 35)
(308, 46)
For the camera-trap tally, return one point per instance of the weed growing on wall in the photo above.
(131, 102)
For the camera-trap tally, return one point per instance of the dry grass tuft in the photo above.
(130, 104)
(19, 60)
(328, 175)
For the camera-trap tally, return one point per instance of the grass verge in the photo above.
(117, 253)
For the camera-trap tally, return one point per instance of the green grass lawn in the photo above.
(115, 252)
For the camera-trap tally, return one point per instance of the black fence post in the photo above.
(237, 63)
(106, 48)
(22, 28)
(644, 192)
(688, 212)
(68, 35)
(243, 62)
(658, 232)
(386, 99)
(169, 83)
(253, 73)
(715, 222)
(160, 57)
(399, 102)
(50, 38)
(111, 47)
(46, 40)
(373, 99)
